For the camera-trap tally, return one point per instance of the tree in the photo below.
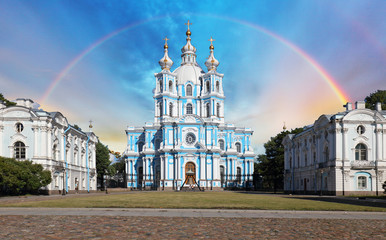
(102, 162)
(373, 98)
(21, 177)
(271, 164)
(6, 101)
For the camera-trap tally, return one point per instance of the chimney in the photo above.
(20, 102)
(348, 106)
(378, 106)
(28, 103)
(360, 105)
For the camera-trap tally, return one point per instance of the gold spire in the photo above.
(211, 47)
(284, 127)
(188, 33)
(166, 42)
(90, 126)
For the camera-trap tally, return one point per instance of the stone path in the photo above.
(123, 227)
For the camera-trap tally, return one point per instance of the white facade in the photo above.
(28, 133)
(189, 140)
(340, 154)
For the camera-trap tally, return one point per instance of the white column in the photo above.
(384, 145)
(49, 142)
(337, 143)
(36, 140)
(344, 144)
(203, 160)
(43, 142)
(378, 133)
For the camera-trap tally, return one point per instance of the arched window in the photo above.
(160, 109)
(222, 145)
(54, 152)
(170, 86)
(305, 159)
(207, 86)
(362, 182)
(218, 109)
(238, 147)
(189, 90)
(208, 109)
(360, 152)
(171, 109)
(140, 146)
(238, 176)
(217, 86)
(19, 150)
(189, 108)
(160, 86)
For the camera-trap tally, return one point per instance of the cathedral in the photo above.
(189, 144)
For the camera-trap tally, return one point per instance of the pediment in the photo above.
(191, 118)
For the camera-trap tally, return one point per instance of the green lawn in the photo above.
(208, 200)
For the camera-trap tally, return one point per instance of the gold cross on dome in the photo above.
(211, 40)
(166, 40)
(188, 23)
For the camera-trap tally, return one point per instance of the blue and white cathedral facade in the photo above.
(189, 143)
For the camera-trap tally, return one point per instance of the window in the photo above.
(290, 162)
(171, 109)
(189, 108)
(218, 109)
(160, 85)
(360, 152)
(362, 182)
(189, 90)
(305, 159)
(140, 146)
(190, 138)
(238, 147)
(217, 86)
(170, 86)
(207, 86)
(314, 157)
(221, 143)
(208, 109)
(360, 129)
(54, 152)
(19, 150)
(19, 127)
(238, 176)
(160, 109)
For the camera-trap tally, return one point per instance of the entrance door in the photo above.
(190, 173)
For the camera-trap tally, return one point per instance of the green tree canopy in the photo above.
(102, 162)
(373, 98)
(270, 165)
(6, 101)
(21, 177)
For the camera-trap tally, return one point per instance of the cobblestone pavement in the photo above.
(119, 227)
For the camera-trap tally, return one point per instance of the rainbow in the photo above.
(343, 97)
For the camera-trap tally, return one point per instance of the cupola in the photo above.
(166, 63)
(211, 63)
(188, 51)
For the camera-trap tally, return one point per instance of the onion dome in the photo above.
(212, 62)
(188, 51)
(166, 63)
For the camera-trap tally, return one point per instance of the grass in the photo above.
(206, 200)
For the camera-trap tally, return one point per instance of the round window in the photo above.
(19, 127)
(360, 129)
(190, 138)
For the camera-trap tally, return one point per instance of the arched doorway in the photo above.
(190, 173)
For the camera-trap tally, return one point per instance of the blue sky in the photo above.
(266, 82)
